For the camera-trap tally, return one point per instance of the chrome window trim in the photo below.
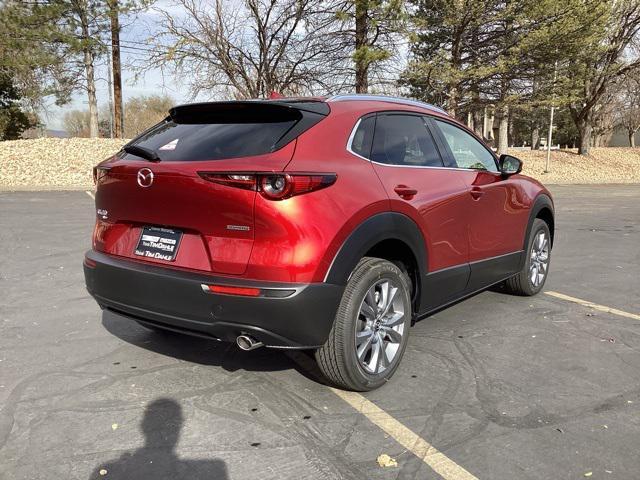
(350, 140)
(353, 133)
(384, 98)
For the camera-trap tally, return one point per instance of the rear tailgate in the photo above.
(215, 222)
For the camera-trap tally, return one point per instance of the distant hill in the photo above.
(35, 133)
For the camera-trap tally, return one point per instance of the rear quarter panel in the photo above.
(296, 239)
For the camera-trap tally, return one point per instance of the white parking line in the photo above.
(438, 461)
(595, 306)
(90, 194)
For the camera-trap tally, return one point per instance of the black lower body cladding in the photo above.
(175, 300)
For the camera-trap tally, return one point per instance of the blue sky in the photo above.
(134, 30)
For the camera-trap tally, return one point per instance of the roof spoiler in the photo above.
(246, 111)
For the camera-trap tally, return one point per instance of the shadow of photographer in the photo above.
(157, 458)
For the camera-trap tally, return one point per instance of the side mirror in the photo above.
(510, 165)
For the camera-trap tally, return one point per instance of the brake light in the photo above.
(273, 186)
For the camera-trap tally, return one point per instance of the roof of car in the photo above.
(361, 97)
(384, 98)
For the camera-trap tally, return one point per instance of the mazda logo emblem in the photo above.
(145, 177)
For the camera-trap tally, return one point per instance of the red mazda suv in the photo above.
(329, 224)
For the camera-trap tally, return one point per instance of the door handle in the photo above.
(476, 193)
(405, 192)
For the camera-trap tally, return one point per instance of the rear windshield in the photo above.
(216, 136)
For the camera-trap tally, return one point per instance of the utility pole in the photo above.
(110, 86)
(553, 100)
(118, 114)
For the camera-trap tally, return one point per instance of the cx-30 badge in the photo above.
(145, 177)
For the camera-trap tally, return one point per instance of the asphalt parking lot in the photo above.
(504, 387)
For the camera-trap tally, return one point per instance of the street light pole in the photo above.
(110, 86)
(546, 168)
(550, 135)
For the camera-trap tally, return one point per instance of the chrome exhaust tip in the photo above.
(245, 342)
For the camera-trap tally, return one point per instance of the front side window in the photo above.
(404, 140)
(466, 150)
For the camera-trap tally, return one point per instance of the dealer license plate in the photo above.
(159, 243)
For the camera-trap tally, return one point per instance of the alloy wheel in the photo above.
(539, 259)
(380, 326)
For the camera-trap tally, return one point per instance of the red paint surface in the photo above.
(295, 240)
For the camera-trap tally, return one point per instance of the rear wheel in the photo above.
(371, 328)
(530, 280)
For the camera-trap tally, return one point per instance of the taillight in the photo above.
(98, 239)
(273, 186)
(244, 181)
(99, 174)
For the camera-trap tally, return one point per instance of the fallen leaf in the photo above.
(588, 474)
(114, 426)
(385, 460)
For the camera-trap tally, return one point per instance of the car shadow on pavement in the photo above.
(157, 458)
(203, 351)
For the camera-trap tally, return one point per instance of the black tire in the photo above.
(522, 284)
(337, 358)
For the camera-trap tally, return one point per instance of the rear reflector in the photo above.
(229, 290)
(89, 263)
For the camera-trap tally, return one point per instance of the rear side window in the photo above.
(363, 137)
(404, 140)
(466, 150)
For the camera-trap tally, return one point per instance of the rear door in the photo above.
(213, 220)
(409, 165)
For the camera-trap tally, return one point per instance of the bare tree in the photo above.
(604, 116)
(143, 112)
(602, 63)
(628, 115)
(252, 48)
(76, 123)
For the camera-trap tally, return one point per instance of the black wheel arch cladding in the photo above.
(542, 208)
(374, 230)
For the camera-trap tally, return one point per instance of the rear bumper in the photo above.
(175, 300)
